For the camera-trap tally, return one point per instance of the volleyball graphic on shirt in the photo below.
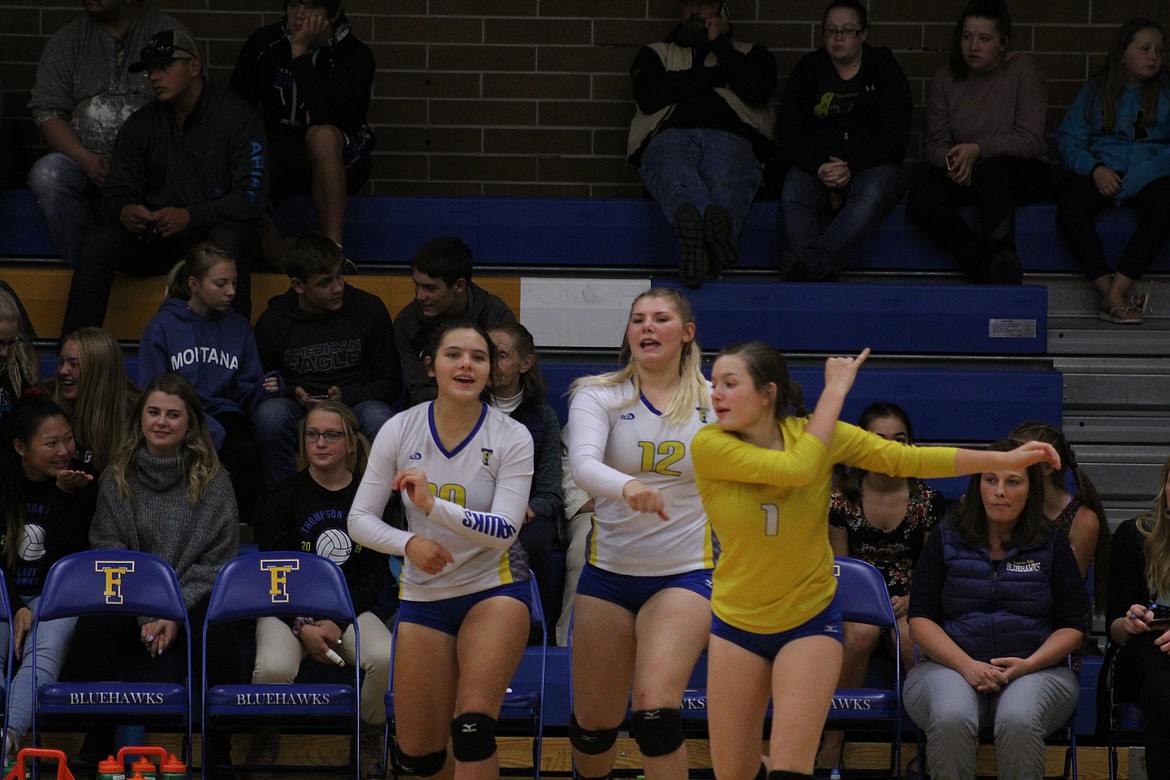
(335, 545)
(32, 543)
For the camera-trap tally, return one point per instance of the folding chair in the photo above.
(282, 584)
(112, 582)
(1126, 727)
(862, 598)
(6, 619)
(523, 701)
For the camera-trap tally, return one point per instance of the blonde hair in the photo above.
(105, 394)
(20, 367)
(1155, 526)
(199, 451)
(693, 390)
(357, 446)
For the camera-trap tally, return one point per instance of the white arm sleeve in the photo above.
(365, 516)
(588, 435)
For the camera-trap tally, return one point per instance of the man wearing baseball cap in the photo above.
(83, 93)
(189, 166)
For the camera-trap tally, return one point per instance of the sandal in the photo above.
(1117, 315)
(1139, 303)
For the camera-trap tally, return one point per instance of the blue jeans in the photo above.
(804, 206)
(69, 201)
(275, 422)
(702, 167)
(53, 638)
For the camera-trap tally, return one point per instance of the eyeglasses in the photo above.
(330, 437)
(12, 342)
(843, 32)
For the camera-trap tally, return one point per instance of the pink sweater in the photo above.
(1002, 111)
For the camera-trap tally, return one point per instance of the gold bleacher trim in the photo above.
(135, 299)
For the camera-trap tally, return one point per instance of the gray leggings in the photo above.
(953, 714)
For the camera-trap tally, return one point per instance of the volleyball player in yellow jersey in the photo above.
(764, 478)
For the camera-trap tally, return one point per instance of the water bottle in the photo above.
(144, 768)
(172, 769)
(111, 769)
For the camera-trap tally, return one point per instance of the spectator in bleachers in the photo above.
(47, 500)
(885, 521)
(1080, 514)
(165, 493)
(703, 127)
(575, 526)
(466, 595)
(83, 93)
(325, 340)
(518, 390)
(984, 146)
(997, 605)
(196, 333)
(1139, 592)
(1115, 139)
(18, 359)
(307, 512)
(92, 386)
(844, 120)
(311, 77)
(642, 611)
(443, 291)
(190, 166)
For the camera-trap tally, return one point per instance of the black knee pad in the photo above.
(591, 743)
(473, 736)
(658, 732)
(420, 766)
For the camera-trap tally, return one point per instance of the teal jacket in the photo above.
(1141, 155)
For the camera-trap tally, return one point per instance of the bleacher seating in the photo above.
(904, 318)
(583, 232)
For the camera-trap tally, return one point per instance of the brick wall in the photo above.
(532, 97)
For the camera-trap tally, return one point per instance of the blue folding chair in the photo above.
(112, 582)
(523, 701)
(6, 619)
(282, 584)
(1125, 722)
(862, 597)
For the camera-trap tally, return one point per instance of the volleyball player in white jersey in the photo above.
(642, 611)
(464, 470)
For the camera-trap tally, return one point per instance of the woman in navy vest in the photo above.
(996, 605)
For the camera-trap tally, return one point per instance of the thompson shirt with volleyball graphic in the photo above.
(481, 493)
(56, 524)
(616, 435)
(304, 516)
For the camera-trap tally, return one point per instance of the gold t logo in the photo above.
(113, 571)
(278, 570)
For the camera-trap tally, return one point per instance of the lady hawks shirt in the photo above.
(481, 490)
